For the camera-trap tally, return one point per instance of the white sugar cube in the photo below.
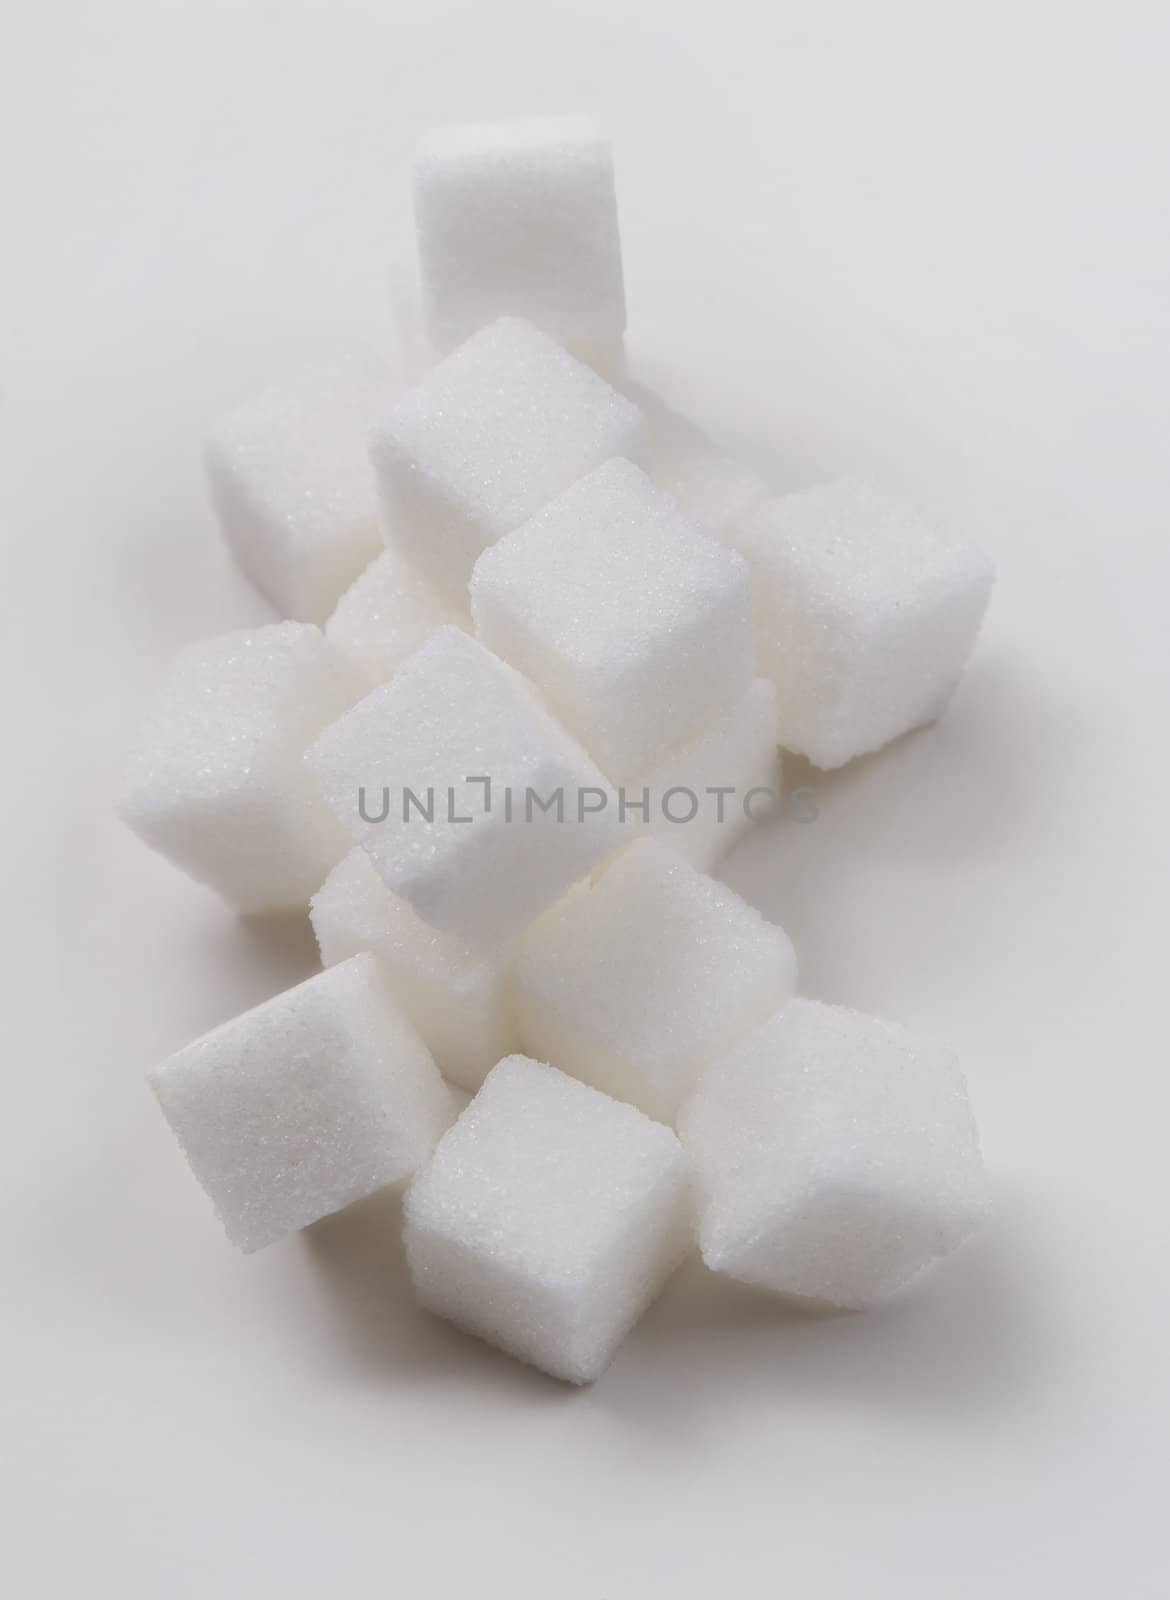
(305, 1104)
(520, 219)
(548, 1219)
(384, 617)
(683, 462)
(292, 483)
(702, 799)
(454, 995)
(443, 774)
(218, 782)
(865, 615)
(637, 983)
(491, 434)
(633, 620)
(836, 1156)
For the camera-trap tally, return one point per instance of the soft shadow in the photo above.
(963, 1343)
(243, 961)
(966, 1341)
(382, 1334)
(280, 943)
(974, 783)
(873, 881)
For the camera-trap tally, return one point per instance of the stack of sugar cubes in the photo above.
(543, 643)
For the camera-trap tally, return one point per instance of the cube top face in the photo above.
(857, 550)
(305, 1104)
(865, 615)
(632, 618)
(291, 478)
(836, 1154)
(741, 751)
(386, 615)
(491, 434)
(462, 732)
(638, 983)
(230, 706)
(519, 218)
(543, 1174)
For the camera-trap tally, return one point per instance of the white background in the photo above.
(926, 240)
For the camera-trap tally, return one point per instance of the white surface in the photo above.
(929, 240)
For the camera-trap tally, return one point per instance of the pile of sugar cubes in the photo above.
(545, 643)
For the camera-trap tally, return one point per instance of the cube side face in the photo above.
(637, 984)
(913, 666)
(669, 695)
(836, 1157)
(440, 523)
(811, 651)
(293, 487)
(553, 1027)
(504, 874)
(491, 434)
(656, 1238)
(284, 1114)
(504, 1307)
(264, 849)
(742, 753)
(258, 537)
(850, 685)
(352, 910)
(507, 624)
(415, 1107)
(548, 1218)
(386, 615)
(836, 1245)
(570, 1158)
(520, 222)
(634, 621)
(456, 1000)
(466, 1021)
(218, 786)
(865, 616)
(465, 868)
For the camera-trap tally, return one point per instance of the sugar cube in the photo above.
(836, 1156)
(469, 798)
(293, 487)
(454, 995)
(386, 614)
(548, 1219)
(633, 620)
(683, 462)
(304, 1104)
(491, 434)
(520, 219)
(637, 983)
(865, 613)
(702, 798)
(218, 784)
